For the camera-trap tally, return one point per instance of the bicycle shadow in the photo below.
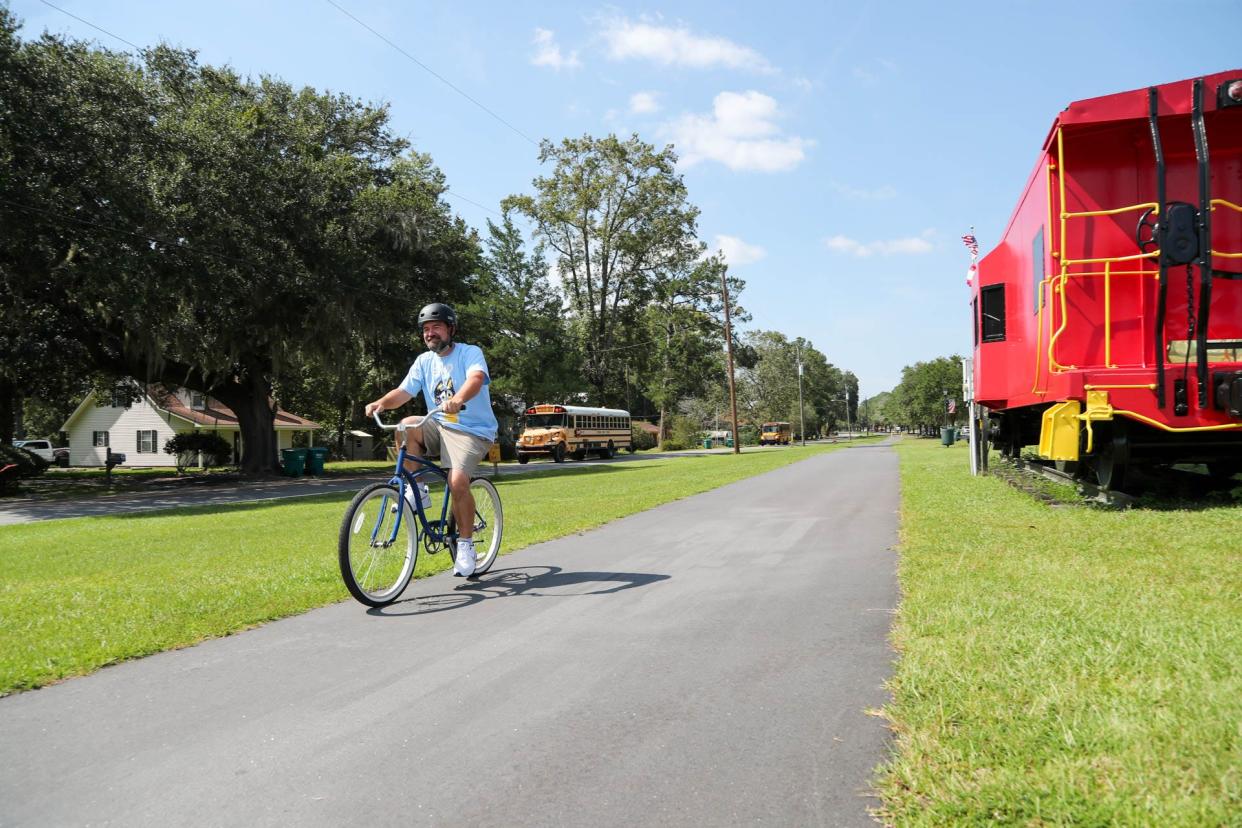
(529, 581)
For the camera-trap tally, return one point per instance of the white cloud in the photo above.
(740, 133)
(643, 103)
(882, 193)
(738, 252)
(909, 246)
(677, 46)
(548, 52)
(803, 83)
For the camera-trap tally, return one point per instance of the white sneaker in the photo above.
(463, 567)
(424, 494)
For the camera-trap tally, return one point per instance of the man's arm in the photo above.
(392, 400)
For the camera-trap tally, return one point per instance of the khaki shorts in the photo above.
(459, 449)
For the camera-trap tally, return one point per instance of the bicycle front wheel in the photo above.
(377, 555)
(489, 520)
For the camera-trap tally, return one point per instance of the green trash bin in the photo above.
(315, 458)
(707, 442)
(946, 436)
(294, 461)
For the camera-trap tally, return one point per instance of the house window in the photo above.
(100, 438)
(198, 401)
(992, 302)
(146, 442)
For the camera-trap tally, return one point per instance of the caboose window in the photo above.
(992, 301)
(974, 315)
(1037, 270)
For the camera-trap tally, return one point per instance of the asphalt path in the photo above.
(708, 662)
(212, 492)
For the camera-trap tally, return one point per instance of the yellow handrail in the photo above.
(1151, 205)
(1158, 424)
(1108, 318)
(1054, 366)
(1151, 386)
(1220, 202)
(1150, 255)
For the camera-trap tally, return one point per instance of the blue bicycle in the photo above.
(381, 533)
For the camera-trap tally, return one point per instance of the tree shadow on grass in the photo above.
(524, 581)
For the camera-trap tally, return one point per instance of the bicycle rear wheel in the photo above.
(377, 557)
(489, 522)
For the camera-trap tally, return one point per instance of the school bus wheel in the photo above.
(558, 453)
(523, 457)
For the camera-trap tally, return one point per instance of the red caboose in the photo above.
(1108, 321)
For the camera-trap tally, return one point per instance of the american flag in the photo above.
(952, 406)
(972, 244)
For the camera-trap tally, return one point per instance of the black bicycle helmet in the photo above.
(437, 312)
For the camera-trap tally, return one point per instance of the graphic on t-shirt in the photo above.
(443, 390)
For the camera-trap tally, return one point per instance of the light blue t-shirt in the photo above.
(439, 378)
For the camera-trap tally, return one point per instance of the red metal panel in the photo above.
(1109, 163)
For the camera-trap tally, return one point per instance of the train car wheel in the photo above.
(1112, 458)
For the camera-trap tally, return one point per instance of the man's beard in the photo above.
(438, 346)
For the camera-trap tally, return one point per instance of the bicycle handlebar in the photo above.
(400, 426)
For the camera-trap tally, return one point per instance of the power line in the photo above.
(432, 72)
(92, 25)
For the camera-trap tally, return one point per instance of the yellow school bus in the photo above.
(560, 431)
(776, 434)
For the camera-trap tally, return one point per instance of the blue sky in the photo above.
(837, 151)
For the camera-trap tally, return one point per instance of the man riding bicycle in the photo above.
(449, 374)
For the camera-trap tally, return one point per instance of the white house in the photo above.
(138, 428)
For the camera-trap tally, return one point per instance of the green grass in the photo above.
(78, 594)
(1062, 666)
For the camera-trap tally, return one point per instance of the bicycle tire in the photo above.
(376, 575)
(489, 524)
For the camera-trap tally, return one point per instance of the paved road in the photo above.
(707, 662)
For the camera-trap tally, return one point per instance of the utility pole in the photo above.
(801, 413)
(724, 292)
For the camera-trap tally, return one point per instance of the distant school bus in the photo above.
(775, 434)
(558, 431)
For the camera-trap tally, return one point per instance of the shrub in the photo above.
(684, 431)
(642, 439)
(189, 445)
(672, 445)
(27, 463)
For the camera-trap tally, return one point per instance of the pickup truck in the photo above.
(44, 449)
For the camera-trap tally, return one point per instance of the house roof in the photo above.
(215, 415)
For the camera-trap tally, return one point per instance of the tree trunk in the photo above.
(250, 398)
(8, 411)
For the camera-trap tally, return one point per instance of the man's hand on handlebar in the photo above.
(452, 405)
(373, 408)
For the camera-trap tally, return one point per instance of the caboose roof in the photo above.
(1174, 99)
